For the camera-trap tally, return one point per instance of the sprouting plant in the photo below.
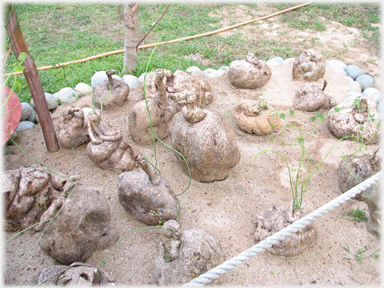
(356, 215)
(158, 215)
(166, 259)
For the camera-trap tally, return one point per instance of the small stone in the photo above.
(32, 117)
(209, 71)
(66, 95)
(199, 74)
(141, 78)
(217, 74)
(225, 68)
(52, 100)
(192, 68)
(365, 81)
(335, 64)
(132, 81)
(24, 125)
(84, 89)
(373, 93)
(272, 62)
(353, 71)
(26, 110)
(98, 77)
(354, 86)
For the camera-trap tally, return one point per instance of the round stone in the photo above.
(84, 89)
(354, 86)
(199, 74)
(373, 93)
(216, 74)
(192, 68)
(26, 111)
(335, 64)
(141, 78)
(353, 71)
(275, 61)
(225, 68)
(98, 77)
(132, 81)
(365, 81)
(66, 95)
(52, 101)
(24, 125)
(289, 60)
(32, 118)
(209, 71)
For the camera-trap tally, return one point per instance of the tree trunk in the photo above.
(131, 25)
(32, 76)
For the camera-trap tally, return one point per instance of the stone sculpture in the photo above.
(372, 197)
(309, 66)
(249, 73)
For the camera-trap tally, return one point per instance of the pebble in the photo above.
(24, 125)
(353, 71)
(335, 64)
(192, 68)
(225, 68)
(199, 73)
(141, 78)
(365, 81)
(98, 77)
(84, 89)
(66, 95)
(132, 81)
(217, 74)
(209, 71)
(26, 111)
(52, 101)
(373, 93)
(32, 118)
(354, 86)
(289, 60)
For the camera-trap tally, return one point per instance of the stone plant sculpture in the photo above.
(161, 108)
(29, 193)
(249, 73)
(76, 274)
(73, 126)
(310, 97)
(108, 149)
(257, 118)
(189, 254)
(147, 195)
(110, 93)
(82, 227)
(273, 220)
(309, 66)
(356, 117)
(206, 140)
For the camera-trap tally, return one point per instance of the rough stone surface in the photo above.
(198, 253)
(82, 224)
(249, 73)
(26, 111)
(66, 95)
(309, 66)
(257, 119)
(143, 192)
(132, 81)
(273, 220)
(106, 98)
(24, 125)
(208, 145)
(83, 89)
(365, 81)
(355, 118)
(353, 71)
(373, 93)
(310, 97)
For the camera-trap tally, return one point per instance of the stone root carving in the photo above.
(355, 169)
(358, 119)
(73, 126)
(76, 274)
(189, 254)
(273, 220)
(110, 93)
(82, 227)
(29, 193)
(257, 118)
(309, 66)
(249, 73)
(161, 108)
(372, 197)
(310, 97)
(108, 149)
(147, 195)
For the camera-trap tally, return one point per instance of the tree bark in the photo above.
(131, 25)
(32, 77)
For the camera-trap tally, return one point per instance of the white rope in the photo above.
(274, 239)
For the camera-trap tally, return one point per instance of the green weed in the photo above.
(356, 215)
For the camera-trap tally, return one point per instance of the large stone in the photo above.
(373, 93)
(98, 77)
(335, 64)
(83, 224)
(309, 66)
(249, 73)
(108, 96)
(310, 97)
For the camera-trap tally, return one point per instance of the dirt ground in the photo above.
(227, 208)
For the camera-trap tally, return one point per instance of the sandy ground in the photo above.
(225, 208)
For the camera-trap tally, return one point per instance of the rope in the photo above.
(165, 42)
(274, 239)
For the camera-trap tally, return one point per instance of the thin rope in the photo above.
(282, 234)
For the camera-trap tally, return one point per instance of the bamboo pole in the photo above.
(168, 42)
(32, 77)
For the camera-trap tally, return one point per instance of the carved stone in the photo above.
(309, 66)
(310, 97)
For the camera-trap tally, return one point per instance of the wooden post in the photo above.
(32, 76)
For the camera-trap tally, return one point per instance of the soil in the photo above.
(227, 208)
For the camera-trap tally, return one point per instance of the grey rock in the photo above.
(373, 93)
(52, 101)
(192, 68)
(335, 64)
(26, 111)
(66, 95)
(98, 77)
(353, 71)
(365, 81)
(132, 81)
(24, 125)
(32, 117)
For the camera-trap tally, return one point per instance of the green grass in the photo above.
(57, 33)
(356, 215)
